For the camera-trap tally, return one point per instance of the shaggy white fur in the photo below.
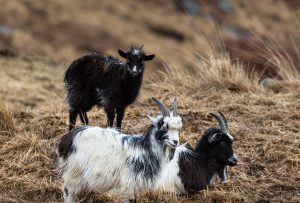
(170, 180)
(106, 160)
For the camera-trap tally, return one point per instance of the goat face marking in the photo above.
(222, 141)
(135, 60)
(168, 124)
(174, 125)
(222, 150)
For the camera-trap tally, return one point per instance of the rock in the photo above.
(5, 30)
(267, 83)
(225, 6)
(8, 52)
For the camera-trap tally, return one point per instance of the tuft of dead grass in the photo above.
(288, 68)
(7, 123)
(215, 72)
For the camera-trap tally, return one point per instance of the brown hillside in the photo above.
(213, 58)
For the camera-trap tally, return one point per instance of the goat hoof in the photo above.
(132, 201)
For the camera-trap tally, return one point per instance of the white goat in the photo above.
(105, 160)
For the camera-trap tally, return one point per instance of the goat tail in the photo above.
(71, 75)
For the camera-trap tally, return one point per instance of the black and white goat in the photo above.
(192, 170)
(85, 157)
(106, 82)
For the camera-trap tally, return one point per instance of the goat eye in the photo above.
(160, 123)
(164, 129)
(161, 135)
(130, 58)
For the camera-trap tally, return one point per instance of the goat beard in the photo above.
(222, 173)
(169, 152)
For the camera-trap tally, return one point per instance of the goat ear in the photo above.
(149, 57)
(152, 119)
(215, 137)
(122, 53)
(188, 146)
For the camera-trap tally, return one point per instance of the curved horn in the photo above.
(221, 122)
(175, 107)
(141, 47)
(164, 110)
(224, 119)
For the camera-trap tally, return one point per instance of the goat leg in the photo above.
(72, 119)
(120, 115)
(110, 113)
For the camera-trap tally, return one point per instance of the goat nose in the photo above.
(175, 142)
(233, 160)
(134, 73)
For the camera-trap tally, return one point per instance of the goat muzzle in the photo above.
(232, 161)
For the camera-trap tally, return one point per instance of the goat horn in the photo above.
(162, 106)
(141, 47)
(175, 107)
(221, 122)
(224, 119)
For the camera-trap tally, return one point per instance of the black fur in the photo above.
(197, 166)
(65, 145)
(148, 165)
(66, 191)
(106, 82)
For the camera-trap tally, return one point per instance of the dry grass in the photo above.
(265, 126)
(216, 72)
(7, 123)
(264, 122)
(121, 24)
(288, 69)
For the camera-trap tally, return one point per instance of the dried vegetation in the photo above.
(264, 120)
(264, 124)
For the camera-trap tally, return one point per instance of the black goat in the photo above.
(192, 170)
(106, 82)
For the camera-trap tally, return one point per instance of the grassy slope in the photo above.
(265, 126)
(67, 29)
(33, 113)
